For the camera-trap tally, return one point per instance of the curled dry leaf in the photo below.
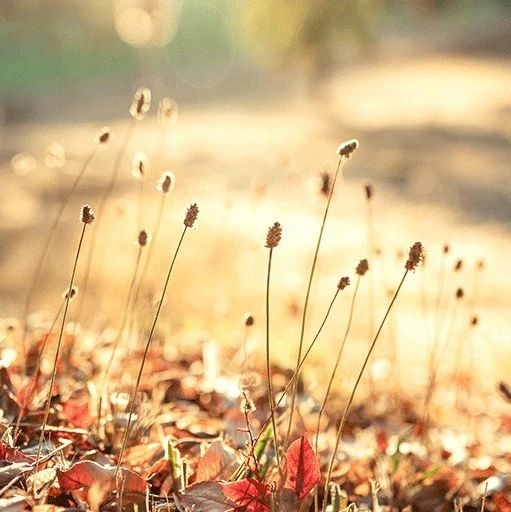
(206, 497)
(216, 464)
(85, 473)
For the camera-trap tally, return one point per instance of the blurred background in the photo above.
(266, 90)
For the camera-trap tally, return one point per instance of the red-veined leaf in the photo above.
(302, 467)
(249, 494)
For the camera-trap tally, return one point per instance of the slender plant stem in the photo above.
(438, 303)
(332, 377)
(59, 342)
(436, 366)
(33, 379)
(141, 203)
(339, 355)
(102, 204)
(46, 245)
(150, 250)
(146, 351)
(251, 439)
(371, 249)
(300, 366)
(350, 399)
(268, 367)
(106, 373)
(306, 303)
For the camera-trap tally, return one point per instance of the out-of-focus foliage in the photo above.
(286, 31)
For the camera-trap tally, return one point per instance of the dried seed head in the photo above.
(191, 215)
(72, 295)
(249, 320)
(460, 293)
(458, 266)
(140, 165)
(346, 149)
(446, 249)
(345, 281)
(142, 238)
(86, 214)
(274, 235)
(474, 321)
(415, 256)
(103, 135)
(369, 190)
(141, 103)
(362, 267)
(249, 381)
(166, 182)
(326, 184)
(167, 110)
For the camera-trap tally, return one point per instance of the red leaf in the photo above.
(303, 471)
(85, 473)
(502, 504)
(215, 464)
(14, 455)
(249, 494)
(381, 441)
(76, 411)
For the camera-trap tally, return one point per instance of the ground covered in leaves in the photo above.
(196, 446)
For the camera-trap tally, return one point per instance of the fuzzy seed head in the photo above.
(362, 267)
(345, 281)
(191, 215)
(166, 182)
(274, 235)
(167, 110)
(415, 256)
(140, 165)
(369, 191)
(103, 135)
(86, 214)
(346, 149)
(141, 103)
(142, 238)
(72, 295)
(249, 320)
